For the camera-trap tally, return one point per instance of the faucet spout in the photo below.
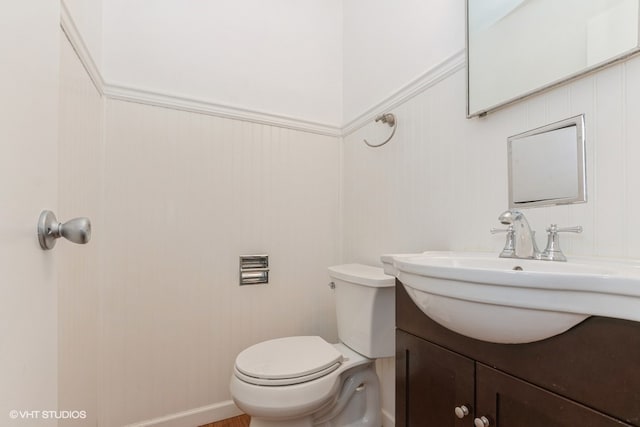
(524, 241)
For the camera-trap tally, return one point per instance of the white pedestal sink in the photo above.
(513, 300)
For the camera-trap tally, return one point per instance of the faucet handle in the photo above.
(553, 252)
(553, 228)
(509, 245)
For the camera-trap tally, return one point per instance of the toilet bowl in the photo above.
(304, 381)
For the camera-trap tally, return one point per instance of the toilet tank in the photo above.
(365, 308)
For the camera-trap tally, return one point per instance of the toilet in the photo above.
(304, 381)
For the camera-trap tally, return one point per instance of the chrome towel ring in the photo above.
(389, 119)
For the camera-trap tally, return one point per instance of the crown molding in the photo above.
(428, 79)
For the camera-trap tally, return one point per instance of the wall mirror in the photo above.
(547, 165)
(516, 48)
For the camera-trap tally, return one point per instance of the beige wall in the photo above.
(28, 184)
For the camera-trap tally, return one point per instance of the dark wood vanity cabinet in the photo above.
(587, 377)
(510, 402)
(430, 383)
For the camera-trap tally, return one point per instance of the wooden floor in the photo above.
(241, 421)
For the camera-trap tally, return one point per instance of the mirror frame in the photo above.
(563, 80)
(578, 122)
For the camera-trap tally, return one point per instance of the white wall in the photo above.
(442, 181)
(151, 315)
(81, 164)
(28, 184)
(186, 194)
(387, 45)
(177, 204)
(280, 57)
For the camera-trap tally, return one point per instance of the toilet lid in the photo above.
(288, 360)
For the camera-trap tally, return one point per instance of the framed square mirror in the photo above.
(547, 165)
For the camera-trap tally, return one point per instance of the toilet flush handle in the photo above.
(332, 285)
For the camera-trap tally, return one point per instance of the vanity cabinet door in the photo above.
(430, 383)
(506, 401)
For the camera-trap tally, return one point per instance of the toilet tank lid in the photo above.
(362, 275)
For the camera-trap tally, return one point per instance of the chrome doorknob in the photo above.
(77, 230)
(481, 422)
(461, 411)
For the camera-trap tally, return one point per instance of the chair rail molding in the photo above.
(160, 99)
(157, 98)
(70, 29)
(429, 78)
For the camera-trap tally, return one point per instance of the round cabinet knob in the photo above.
(461, 411)
(481, 422)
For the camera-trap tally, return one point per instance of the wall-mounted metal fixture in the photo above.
(77, 230)
(254, 269)
(389, 119)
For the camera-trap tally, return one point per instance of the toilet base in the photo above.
(298, 422)
(358, 405)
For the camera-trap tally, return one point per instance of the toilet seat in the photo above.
(284, 402)
(287, 361)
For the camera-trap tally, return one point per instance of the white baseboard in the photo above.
(216, 412)
(194, 417)
(388, 420)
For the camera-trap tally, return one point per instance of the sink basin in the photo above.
(513, 300)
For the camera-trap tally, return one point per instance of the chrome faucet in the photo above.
(524, 242)
(521, 240)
